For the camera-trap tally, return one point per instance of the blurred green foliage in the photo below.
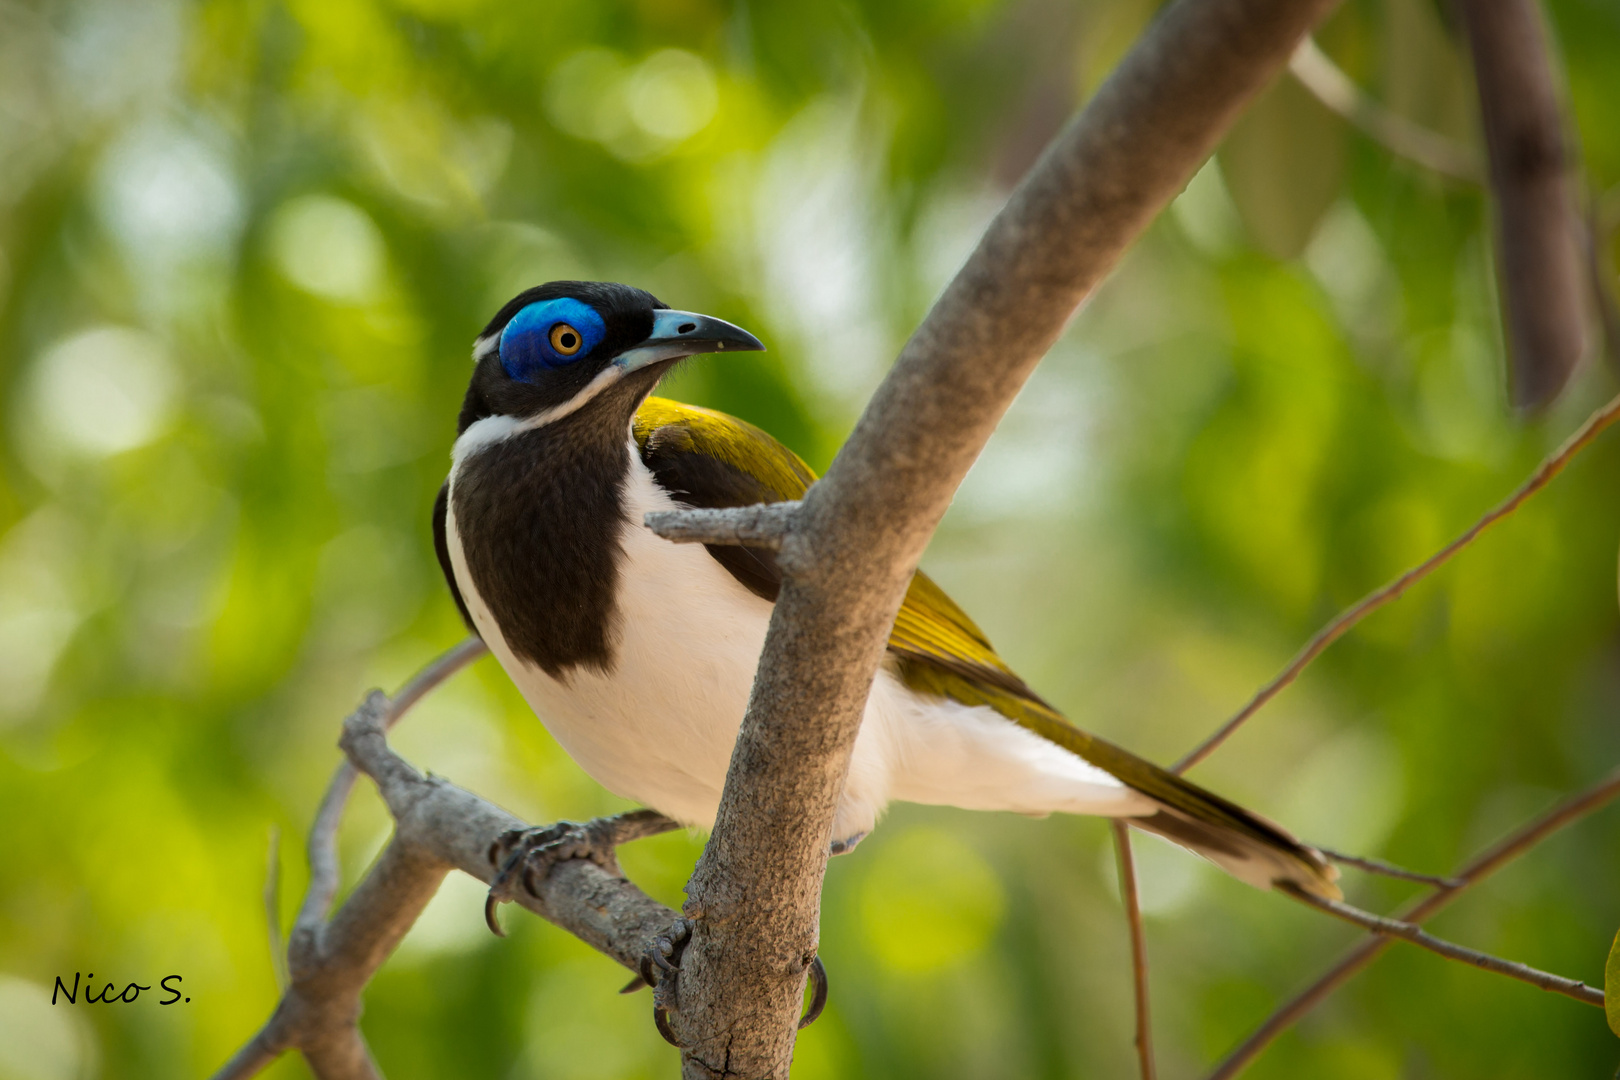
(244, 247)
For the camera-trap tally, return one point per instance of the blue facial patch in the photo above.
(529, 346)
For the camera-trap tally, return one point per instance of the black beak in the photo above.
(685, 333)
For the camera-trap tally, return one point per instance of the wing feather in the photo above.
(708, 459)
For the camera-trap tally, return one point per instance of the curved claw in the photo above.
(492, 902)
(498, 893)
(661, 1022)
(818, 997)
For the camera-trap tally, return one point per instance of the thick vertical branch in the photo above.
(1541, 272)
(756, 892)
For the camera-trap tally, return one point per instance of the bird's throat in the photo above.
(539, 516)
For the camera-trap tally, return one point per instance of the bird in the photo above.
(638, 654)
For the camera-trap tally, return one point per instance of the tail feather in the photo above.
(1239, 841)
(1257, 861)
(1245, 844)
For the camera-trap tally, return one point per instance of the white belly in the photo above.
(659, 727)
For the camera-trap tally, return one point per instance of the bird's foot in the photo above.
(847, 844)
(661, 968)
(526, 856)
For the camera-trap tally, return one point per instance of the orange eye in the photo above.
(565, 339)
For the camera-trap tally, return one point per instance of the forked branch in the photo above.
(1470, 874)
(438, 828)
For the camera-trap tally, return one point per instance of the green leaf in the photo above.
(1284, 164)
(1611, 986)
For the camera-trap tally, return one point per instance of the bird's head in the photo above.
(572, 347)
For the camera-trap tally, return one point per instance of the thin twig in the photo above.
(1472, 873)
(272, 909)
(322, 854)
(333, 1049)
(1378, 866)
(429, 678)
(437, 828)
(1139, 963)
(762, 525)
(1330, 633)
(324, 867)
(1328, 83)
(1379, 924)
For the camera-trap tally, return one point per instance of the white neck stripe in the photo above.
(493, 429)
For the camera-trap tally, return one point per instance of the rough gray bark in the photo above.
(438, 828)
(458, 830)
(761, 526)
(1540, 266)
(860, 531)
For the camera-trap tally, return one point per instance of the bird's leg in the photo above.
(526, 856)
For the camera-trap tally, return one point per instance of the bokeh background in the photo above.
(244, 248)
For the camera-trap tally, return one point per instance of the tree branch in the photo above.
(1379, 866)
(755, 894)
(762, 525)
(1472, 873)
(1139, 963)
(1317, 73)
(1540, 267)
(438, 828)
(1407, 931)
(459, 829)
(1549, 468)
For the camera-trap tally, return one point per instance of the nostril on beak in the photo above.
(686, 328)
